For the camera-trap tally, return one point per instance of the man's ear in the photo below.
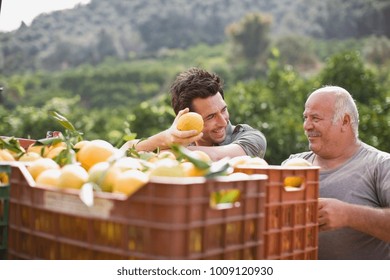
(346, 121)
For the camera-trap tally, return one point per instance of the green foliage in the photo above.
(347, 70)
(118, 100)
(374, 123)
(275, 107)
(250, 36)
(123, 29)
(298, 51)
(377, 50)
(150, 118)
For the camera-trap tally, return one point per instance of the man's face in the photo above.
(215, 115)
(322, 133)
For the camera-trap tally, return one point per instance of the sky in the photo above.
(13, 12)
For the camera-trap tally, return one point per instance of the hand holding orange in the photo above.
(190, 121)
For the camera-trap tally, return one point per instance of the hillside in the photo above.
(141, 28)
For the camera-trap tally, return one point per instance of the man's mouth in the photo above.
(219, 132)
(312, 134)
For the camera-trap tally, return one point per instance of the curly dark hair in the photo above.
(191, 84)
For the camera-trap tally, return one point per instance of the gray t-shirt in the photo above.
(365, 180)
(251, 140)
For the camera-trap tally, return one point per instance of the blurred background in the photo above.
(107, 65)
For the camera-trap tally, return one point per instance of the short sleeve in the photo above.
(251, 140)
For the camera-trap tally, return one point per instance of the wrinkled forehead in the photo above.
(320, 101)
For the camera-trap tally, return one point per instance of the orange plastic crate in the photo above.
(291, 224)
(25, 143)
(168, 219)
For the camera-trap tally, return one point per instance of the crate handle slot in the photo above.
(293, 183)
(225, 199)
(4, 179)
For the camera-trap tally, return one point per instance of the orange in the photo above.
(4, 180)
(80, 144)
(236, 176)
(36, 167)
(104, 175)
(29, 156)
(200, 155)
(247, 161)
(293, 181)
(255, 161)
(148, 156)
(191, 170)
(55, 151)
(190, 121)
(168, 168)
(166, 154)
(48, 177)
(39, 149)
(297, 162)
(5, 155)
(128, 182)
(59, 144)
(95, 151)
(126, 163)
(236, 161)
(72, 176)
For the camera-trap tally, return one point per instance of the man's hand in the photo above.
(332, 214)
(174, 136)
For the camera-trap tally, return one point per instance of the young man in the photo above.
(354, 204)
(199, 91)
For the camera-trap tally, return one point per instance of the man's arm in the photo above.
(165, 139)
(219, 152)
(334, 214)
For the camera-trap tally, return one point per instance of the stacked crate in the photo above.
(169, 218)
(291, 224)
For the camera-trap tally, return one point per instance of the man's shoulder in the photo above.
(244, 127)
(375, 154)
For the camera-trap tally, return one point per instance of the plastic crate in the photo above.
(4, 207)
(291, 226)
(25, 143)
(166, 219)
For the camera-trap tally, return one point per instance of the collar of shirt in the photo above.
(229, 134)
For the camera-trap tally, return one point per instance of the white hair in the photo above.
(344, 105)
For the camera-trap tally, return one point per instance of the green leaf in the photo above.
(183, 153)
(62, 120)
(230, 196)
(218, 168)
(48, 141)
(67, 156)
(12, 144)
(129, 137)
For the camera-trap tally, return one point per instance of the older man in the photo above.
(354, 205)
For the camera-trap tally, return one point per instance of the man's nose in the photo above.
(221, 119)
(307, 124)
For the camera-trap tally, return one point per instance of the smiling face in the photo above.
(324, 134)
(215, 115)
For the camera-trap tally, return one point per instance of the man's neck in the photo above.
(327, 163)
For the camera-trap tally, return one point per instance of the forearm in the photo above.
(149, 144)
(218, 152)
(373, 221)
